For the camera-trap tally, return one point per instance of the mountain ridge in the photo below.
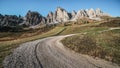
(33, 18)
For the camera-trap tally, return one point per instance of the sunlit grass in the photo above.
(81, 29)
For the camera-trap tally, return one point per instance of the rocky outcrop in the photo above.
(99, 12)
(50, 17)
(91, 13)
(73, 13)
(31, 19)
(34, 18)
(10, 20)
(81, 14)
(61, 15)
(10, 23)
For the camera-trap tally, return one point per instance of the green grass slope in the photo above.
(104, 45)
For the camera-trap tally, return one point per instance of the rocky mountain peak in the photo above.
(91, 12)
(73, 13)
(99, 12)
(98, 9)
(60, 9)
(33, 18)
(91, 9)
(50, 14)
(61, 15)
(80, 14)
(50, 17)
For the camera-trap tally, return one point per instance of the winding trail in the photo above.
(50, 53)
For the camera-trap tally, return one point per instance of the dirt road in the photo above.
(50, 53)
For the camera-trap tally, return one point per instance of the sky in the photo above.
(21, 7)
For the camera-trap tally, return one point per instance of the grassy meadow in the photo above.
(98, 41)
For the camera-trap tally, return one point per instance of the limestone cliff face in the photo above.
(90, 14)
(81, 14)
(61, 15)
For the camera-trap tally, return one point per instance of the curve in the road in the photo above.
(50, 53)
